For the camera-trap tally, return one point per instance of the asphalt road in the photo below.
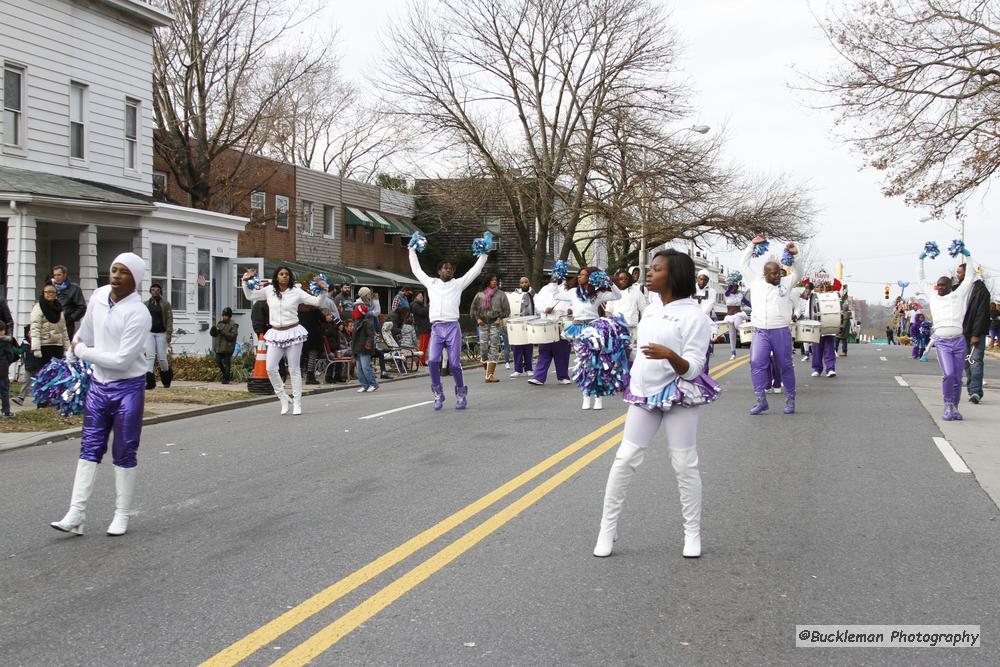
(844, 513)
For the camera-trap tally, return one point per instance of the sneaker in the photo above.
(831, 374)
(507, 365)
(732, 356)
(515, 374)
(805, 358)
(565, 381)
(776, 390)
(372, 388)
(815, 374)
(362, 390)
(8, 415)
(975, 398)
(537, 383)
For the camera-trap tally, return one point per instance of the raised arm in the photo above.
(964, 288)
(472, 273)
(254, 294)
(418, 272)
(745, 263)
(613, 295)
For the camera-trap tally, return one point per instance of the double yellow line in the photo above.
(344, 625)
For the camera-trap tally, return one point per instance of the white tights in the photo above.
(293, 354)
(680, 423)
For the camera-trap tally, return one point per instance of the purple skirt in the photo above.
(687, 393)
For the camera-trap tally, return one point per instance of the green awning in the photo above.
(408, 227)
(335, 274)
(388, 227)
(357, 218)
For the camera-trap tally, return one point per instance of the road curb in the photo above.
(68, 434)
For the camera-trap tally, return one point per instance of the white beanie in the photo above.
(703, 272)
(363, 292)
(135, 264)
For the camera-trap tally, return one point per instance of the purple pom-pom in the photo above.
(254, 284)
(602, 348)
(63, 384)
(787, 258)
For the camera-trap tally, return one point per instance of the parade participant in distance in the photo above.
(947, 308)
(824, 353)
(285, 337)
(584, 299)
(735, 316)
(917, 338)
(523, 353)
(631, 305)
(773, 302)
(112, 337)
(667, 384)
(705, 296)
(444, 296)
(552, 309)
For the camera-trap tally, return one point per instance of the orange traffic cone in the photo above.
(259, 383)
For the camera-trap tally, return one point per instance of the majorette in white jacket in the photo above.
(283, 311)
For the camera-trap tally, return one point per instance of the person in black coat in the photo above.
(975, 327)
(70, 296)
(311, 318)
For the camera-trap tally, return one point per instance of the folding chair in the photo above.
(330, 361)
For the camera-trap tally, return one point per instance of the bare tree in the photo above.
(215, 95)
(919, 88)
(520, 88)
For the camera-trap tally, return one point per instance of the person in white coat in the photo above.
(632, 303)
(285, 337)
(667, 386)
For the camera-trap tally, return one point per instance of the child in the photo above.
(917, 338)
(7, 357)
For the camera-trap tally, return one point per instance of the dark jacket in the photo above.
(499, 307)
(260, 317)
(166, 313)
(421, 317)
(74, 305)
(363, 337)
(224, 335)
(977, 315)
(312, 320)
(7, 355)
(6, 317)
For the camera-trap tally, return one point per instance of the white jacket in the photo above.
(680, 325)
(771, 305)
(630, 306)
(444, 298)
(112, 336)
(586, 309)
(707, 301)
(948, 311)
(546, 298)
(283, 311)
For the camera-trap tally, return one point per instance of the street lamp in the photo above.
(961, 224)
(700, 129)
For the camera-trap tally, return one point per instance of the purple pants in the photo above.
(825, 354)
(522, 357)
(445, 335)
(766, 342)
(549, 352)
(115, 406)
(951, 356)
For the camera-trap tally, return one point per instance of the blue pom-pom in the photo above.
(760, 248)
(560, 269)
(734, 279)
(957, 248)
(418, 242)
(931, 250)
(253, 284)
(787, 258)
(483, 246)
(314, 287)
(63, 385)
(600, 280)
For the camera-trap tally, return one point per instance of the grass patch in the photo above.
(44, 419)
(195, 395)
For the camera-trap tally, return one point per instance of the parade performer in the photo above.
(735, 316)
(667, 384)
(919, 336)
(523, 354)
(824, 353)
(112, 337)
(947, 306)
(444, 294)
(585, 298)
(631, 305)
(552, 310)
(286, 336)
(773, 302)
(804, 310)
(705, 296)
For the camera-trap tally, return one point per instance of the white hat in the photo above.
(705, 273)
(363, 292)
(135, 265)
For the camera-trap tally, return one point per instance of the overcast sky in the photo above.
(740, 56)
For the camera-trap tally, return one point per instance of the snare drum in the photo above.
(540, 331)
(829, 313)
(807, 331)
(746, 333)
(517, 331)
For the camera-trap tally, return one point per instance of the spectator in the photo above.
(995, 326)
(401, 300)
(49, 334)
(160, 335)
(422, 324)
(5, 315)
(343, 300)
(975, 327)
(31, 366)
(845, 322)
(489, 307)
(889, 334)
(363, 346)
(311, 318)
(70, 296)
(224, 335)
(408, 338)
(373, 310)
(7, 357)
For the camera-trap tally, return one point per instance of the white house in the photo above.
(76, 162)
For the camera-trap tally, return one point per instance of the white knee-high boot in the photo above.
(627, 459)
(587, 402)
(279, 389)
(83, 484)
(296, 391)
(685, 462)
(124, 492)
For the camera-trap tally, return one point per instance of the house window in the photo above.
(159, 185)
(204, 280)
(132, 134)
(258, 206)
(404, 241)
(281, 211)
(159, 266)
(387, 238)
(307, 217)
(352, 233)
(493, 226)
(13, 105)
(328, 221)
(77, 121)
(178, 275)
(369, 235)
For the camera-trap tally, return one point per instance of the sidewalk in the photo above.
(974, 438)
(165, 412)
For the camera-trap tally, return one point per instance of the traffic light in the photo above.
(886, 290)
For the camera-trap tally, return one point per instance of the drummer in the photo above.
(523, 353)
(824, 352)
(735, 315)
(772, 299)
(548, 308)
(706, 296)
(804, 311)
